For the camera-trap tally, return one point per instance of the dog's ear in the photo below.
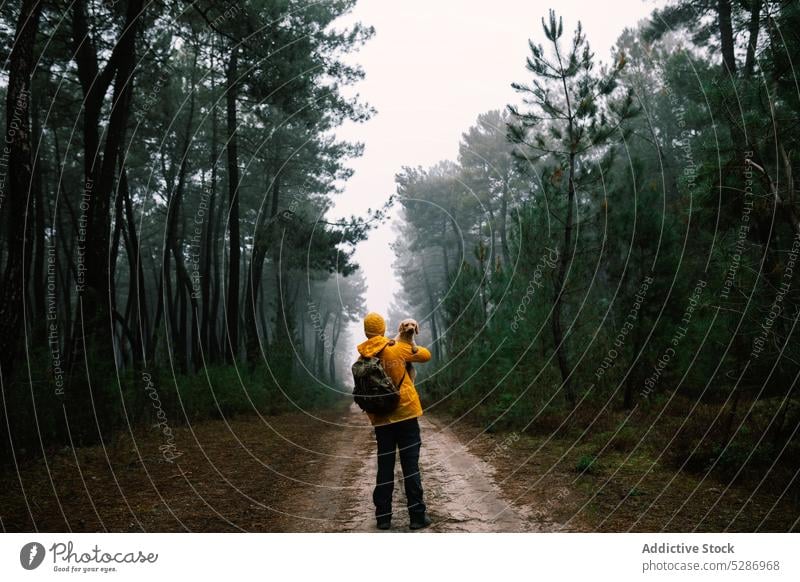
(416, 328)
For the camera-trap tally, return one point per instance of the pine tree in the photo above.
(574, 115)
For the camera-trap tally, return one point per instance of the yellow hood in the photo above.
(373, 345)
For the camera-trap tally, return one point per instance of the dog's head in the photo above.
(408, 327)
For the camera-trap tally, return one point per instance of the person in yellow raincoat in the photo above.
(399, 429)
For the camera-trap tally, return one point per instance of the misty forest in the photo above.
(606, 276)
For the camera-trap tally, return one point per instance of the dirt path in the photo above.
(286, 473)
(460, 490)
(298, 472)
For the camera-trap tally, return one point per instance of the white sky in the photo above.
(432, 67)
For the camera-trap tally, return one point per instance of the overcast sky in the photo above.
(432, 67)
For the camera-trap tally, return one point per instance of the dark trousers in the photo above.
(403, 435)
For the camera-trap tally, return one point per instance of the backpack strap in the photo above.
(405, 369)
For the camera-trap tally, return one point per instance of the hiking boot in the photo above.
(420, 521)
(384, 522)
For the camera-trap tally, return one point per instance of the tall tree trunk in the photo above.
(234, 249)
(435, 346)
(504, 225)
(38, 278)
(208, 328)
(152, 342)
(62, 228)
(136, 309)
(261, 240)
(726, 36)
(316, 364)
(100, 170)
(336, 332)
(445, 254)
(181, 335)
(493, 234)
(462, 256)
(281, 350)
(205, 272)
(188, 336)
(170, 313)
(183, 278)
(252, 301)
(482, 265)
(116, 237)
(559, 340)
(18, 144)
(752, 38)
(209, 316)
(214, 332)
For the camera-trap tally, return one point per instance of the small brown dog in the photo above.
(406, 331)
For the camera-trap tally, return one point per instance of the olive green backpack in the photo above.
(373, 389)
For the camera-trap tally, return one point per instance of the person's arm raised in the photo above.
(422, 355)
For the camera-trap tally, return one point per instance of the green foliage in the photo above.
(153, 397)
(266, 76)
(587, 465)
(223, 391)
(681, 286)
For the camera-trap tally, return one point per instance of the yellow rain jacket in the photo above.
(394, 358)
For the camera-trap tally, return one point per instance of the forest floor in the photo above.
(295, 473)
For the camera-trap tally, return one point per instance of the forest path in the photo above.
(284, 473)
(460, 490)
